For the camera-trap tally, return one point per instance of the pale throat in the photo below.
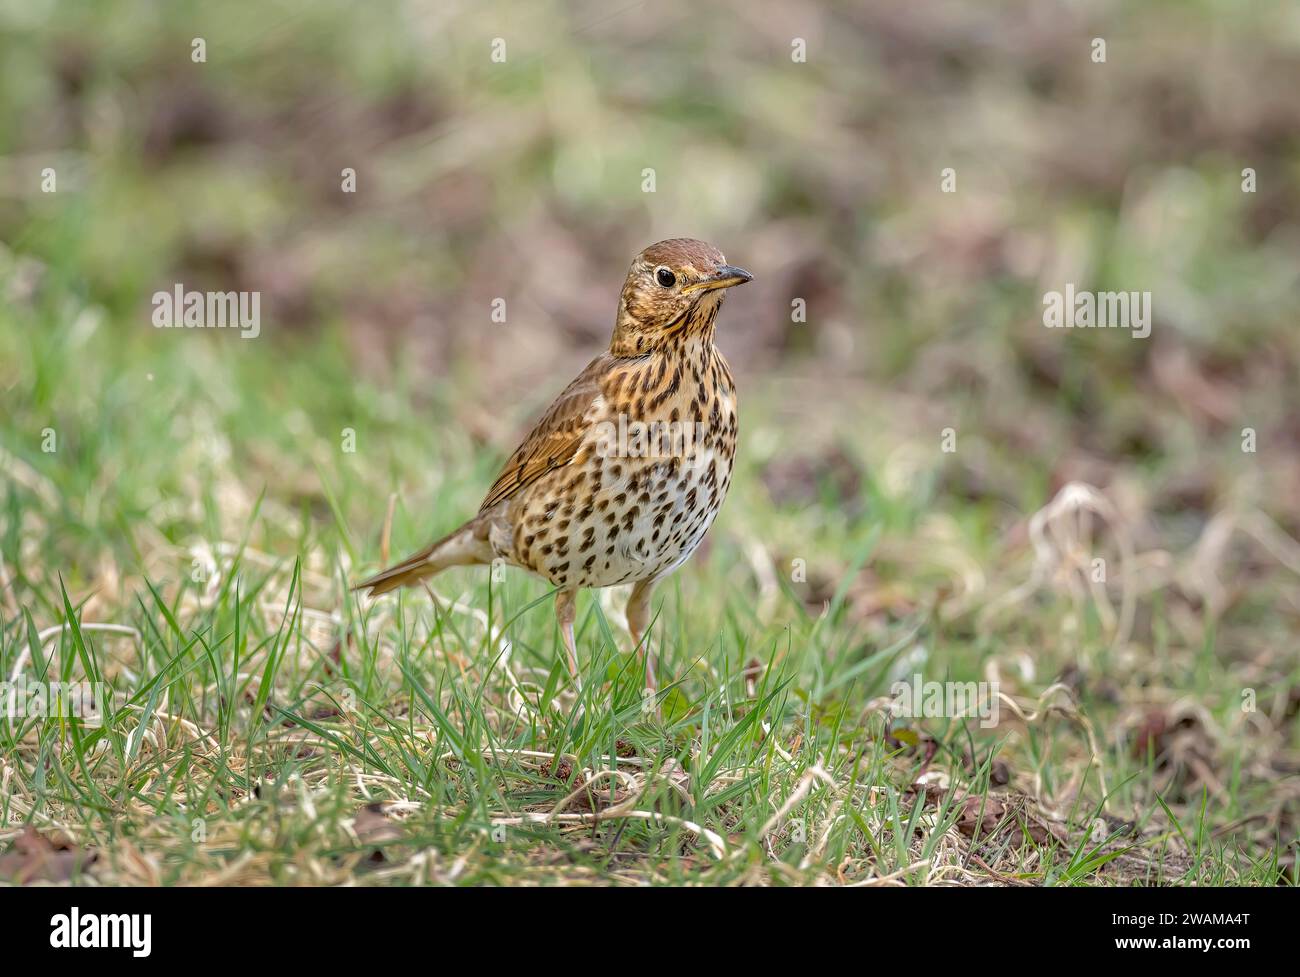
(691, 329)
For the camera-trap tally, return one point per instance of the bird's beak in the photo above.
(724, 277)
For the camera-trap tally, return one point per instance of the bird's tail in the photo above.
(463, 547)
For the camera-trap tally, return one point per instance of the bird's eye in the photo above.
(665, 277)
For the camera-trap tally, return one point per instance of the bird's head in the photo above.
(673, 289)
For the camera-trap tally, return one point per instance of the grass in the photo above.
(182, 511)
(267, 726)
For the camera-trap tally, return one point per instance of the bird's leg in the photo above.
(566, 609)
(638, 618)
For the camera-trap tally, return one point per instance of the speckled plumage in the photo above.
(622, 477)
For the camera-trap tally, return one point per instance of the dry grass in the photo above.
(190, 537)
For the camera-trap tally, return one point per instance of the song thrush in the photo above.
(622, 477)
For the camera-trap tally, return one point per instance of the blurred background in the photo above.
(523, 179)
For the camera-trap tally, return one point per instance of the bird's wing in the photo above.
(555, 439)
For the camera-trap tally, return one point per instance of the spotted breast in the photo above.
(651, 471)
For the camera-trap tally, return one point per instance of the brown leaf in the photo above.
(1000, 774)
(373, 826)
(35, 857)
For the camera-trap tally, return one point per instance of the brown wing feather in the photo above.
(555, 439)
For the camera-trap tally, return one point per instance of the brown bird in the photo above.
(623, 475)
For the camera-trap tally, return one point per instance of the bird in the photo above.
(622, 477)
